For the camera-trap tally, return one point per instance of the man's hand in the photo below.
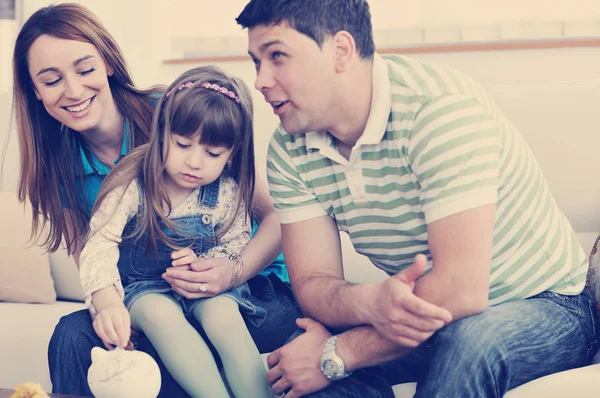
(204, 277)
(401, 316)
(295, 368)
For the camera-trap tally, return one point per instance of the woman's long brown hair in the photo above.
(49, 152)
(217, 119)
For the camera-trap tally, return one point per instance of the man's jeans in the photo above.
(74, 337)
(488, 354)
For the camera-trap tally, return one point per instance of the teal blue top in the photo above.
(93, 171)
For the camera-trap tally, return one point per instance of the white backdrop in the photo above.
(144, 28)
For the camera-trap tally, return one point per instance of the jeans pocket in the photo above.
(572, 303)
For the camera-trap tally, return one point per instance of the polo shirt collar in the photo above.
(381, 105)
(98, 166)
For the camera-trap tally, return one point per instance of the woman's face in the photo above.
(71, 79)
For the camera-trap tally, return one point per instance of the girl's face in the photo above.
(71, 79)
(190, 164)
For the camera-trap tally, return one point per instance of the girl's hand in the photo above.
(205, 277)
(113, 326)
(183, 257)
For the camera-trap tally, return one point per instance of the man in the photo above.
(431, 182)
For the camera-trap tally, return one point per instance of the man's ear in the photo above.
(345, 50)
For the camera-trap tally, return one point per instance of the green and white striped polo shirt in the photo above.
(435, 144)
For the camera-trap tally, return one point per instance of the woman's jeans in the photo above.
(486, 355)
(74, 337)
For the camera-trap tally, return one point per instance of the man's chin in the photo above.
(292, 128)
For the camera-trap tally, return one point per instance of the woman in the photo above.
(77, 114)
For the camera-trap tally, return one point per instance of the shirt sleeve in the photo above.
(237, 236)
(99, 257)
(292, 198)
(454, 151)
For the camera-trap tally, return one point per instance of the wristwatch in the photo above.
(332, 365)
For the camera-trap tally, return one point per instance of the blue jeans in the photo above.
(486, 355)
(74, 337)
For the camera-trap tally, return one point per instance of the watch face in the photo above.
(330, 368)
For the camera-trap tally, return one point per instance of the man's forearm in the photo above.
(446, 292)
(364, 347)
(334, 302)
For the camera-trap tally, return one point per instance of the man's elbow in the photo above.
(469, 304)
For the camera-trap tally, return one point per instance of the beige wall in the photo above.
(553, 96)
(144, 28)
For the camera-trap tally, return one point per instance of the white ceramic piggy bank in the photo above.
(123, 374)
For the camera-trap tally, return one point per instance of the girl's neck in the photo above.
(175, 193)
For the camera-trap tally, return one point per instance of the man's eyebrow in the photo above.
(265, 45)
(75, 63)
(268, 44)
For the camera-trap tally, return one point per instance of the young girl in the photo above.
(183, 195)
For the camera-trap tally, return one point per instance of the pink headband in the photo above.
(207, 85)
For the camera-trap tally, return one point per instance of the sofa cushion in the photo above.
(66, 276)
(24, 267)
(24, 337)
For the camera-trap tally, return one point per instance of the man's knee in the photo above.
(476, 337)
(73, 332)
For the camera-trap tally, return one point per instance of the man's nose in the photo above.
(264, 78)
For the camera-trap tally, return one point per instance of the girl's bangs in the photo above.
(218, 122)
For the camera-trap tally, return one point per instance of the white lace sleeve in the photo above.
(99, 257)
(238, 235)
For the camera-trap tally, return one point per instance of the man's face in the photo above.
(296, 77)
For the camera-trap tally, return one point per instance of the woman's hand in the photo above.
(113, 326)
(204, 277)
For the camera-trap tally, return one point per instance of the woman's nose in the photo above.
(73, 88)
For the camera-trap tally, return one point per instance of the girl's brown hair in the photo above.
(49, 151)
(218, 120)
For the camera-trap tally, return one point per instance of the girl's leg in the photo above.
(221, 319)
(182, 350)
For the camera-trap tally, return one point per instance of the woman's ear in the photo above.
(37, 95)
(345, 50)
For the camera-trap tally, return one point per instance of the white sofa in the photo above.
(543, 112)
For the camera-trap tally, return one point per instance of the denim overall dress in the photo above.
(141, 269)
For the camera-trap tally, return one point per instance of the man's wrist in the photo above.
(332, 364)
(345, 352)
(365, 297)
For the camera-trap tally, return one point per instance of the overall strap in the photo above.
(209, 194)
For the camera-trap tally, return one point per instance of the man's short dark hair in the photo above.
(316, 19)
